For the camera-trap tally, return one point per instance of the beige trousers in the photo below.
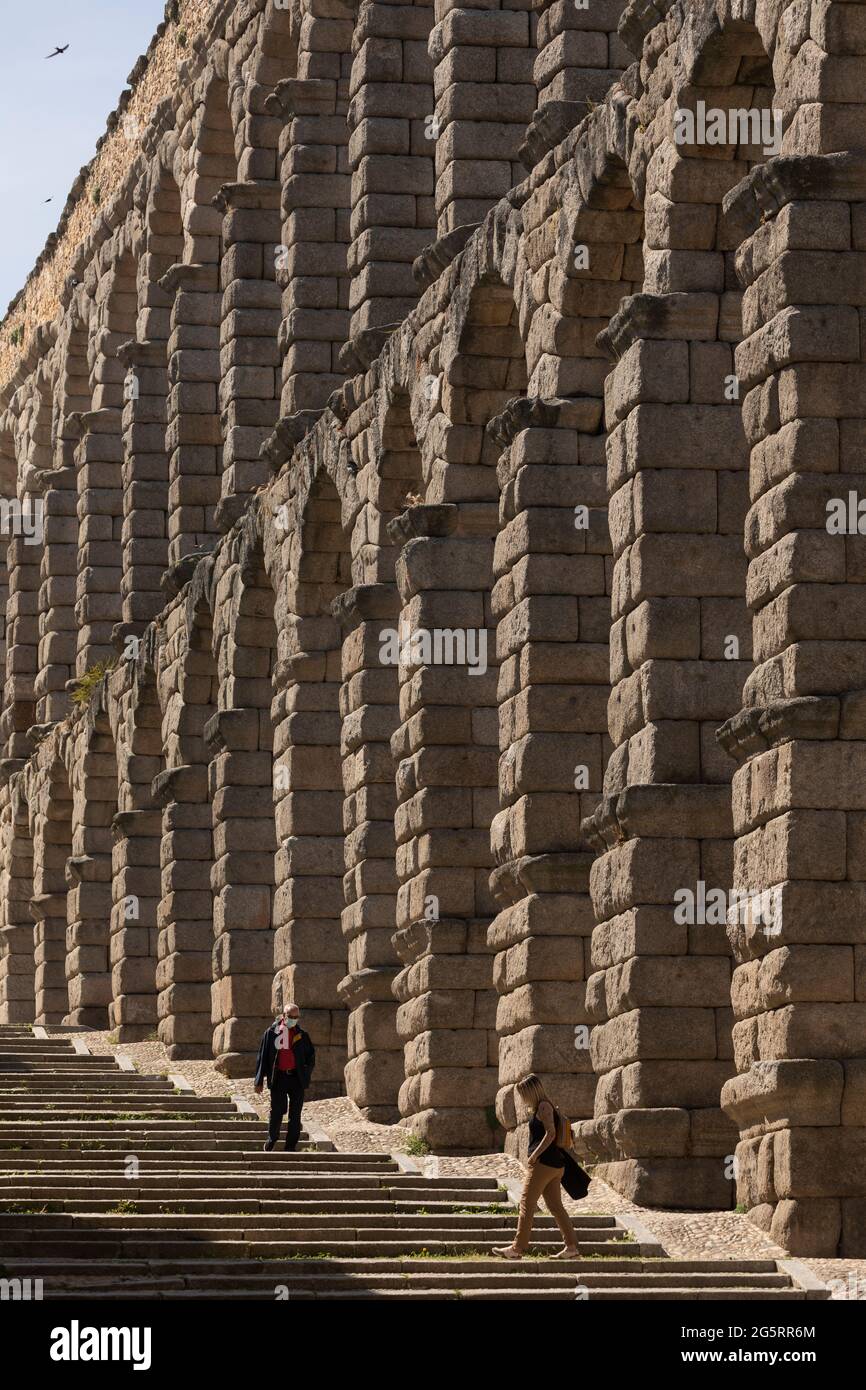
(544, 1182)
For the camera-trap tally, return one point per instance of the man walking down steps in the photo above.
(286, 1060)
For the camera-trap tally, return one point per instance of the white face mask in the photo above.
(292, 1022)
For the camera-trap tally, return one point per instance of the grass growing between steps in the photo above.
(493, 1208)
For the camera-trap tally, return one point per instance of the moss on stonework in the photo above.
(83, 693)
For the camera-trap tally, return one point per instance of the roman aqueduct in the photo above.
(414, 318)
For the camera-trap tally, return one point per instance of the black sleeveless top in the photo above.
(553, 1156)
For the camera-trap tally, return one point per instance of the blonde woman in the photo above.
(549, 1145)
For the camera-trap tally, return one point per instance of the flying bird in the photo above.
(47, 200)
(56, 51)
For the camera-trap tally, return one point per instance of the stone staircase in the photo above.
(115, 1185)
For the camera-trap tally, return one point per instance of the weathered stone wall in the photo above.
(418, 324)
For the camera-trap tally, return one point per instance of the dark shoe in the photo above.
(268, 1145)
(290, 1148)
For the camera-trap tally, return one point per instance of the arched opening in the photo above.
(17, 936)
(22, 526)
(195, 434)
(311, 952)
(447, 746)
(552, 605)
(186, 913)
(94, 790)
(245, 843)
(680, 652)
(147, 520)
(102, 495)
(65, 606)
(58, 569)
(137, 829)
(389, 479)
(52, 841)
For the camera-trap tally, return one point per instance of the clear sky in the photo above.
(53, 112)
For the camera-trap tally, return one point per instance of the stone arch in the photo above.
(246, 216)
(73, 395)
(447, 744)
(802, 410)
(311, 952)
(93, 777)
(51, 815)
(195, 436)
(87, 440)
(56, 659)
(390, 477)
(17, 936)
(188, 677)
(246, 858)
(680, 651)
(29, 436)
(99, 459)
(146, 442)
(9, 475)
(483, 365)
(388, 480)
(136, 722)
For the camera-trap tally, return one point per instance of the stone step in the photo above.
(141, 1107)
(47, 1056)
(315, 1227)
(205, 1198)
(486, 1276)
(47, 1053)
(309, 1188)
(241, 1269)
(247, 1133)
(83, 1244)
(225, 1155)
(300, 1199)
(36, 1082)
(321, 1215)
(445, 1225)
(285, 1203)
(209, 1215)
(218, 1150)
(321, 1184)
(515, 1293)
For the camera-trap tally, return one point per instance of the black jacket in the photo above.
(305, 1056)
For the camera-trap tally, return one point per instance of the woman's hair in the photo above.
(531, 1091)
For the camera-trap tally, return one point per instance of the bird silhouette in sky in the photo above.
(57, 50)
(47, 200)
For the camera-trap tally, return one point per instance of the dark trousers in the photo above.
(286, 1093)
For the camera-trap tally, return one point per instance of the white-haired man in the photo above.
(286, 1060)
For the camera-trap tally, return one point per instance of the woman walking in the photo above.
(549, 1156)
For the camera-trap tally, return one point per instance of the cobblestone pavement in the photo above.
(684, 1234)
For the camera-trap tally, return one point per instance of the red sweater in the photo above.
(286, 1055)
